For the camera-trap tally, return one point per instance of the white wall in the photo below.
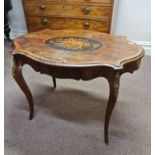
(17, 19)
(131, 18)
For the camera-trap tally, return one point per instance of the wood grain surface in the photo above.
(43, 22)
(68, 14)
(69, 10)
(115, 51)
(79, 54)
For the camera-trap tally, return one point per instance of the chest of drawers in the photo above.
(68, 14)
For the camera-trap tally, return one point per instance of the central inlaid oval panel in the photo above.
(74, 43)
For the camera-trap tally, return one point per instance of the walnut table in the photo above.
(76, 54)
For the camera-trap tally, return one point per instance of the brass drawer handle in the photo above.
(42, 7)
(44, 21)
(86, 25)
(86, 10)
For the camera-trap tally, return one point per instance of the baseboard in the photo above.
(145, 45)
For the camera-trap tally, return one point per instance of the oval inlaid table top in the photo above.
(77, 48)
(80, 54)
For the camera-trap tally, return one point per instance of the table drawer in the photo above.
(36, 23)
(67, 9)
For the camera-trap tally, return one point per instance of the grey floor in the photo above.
(69, 120)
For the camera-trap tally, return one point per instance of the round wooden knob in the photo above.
(86, 10)
(86, 25)
(44, 21)
(42, 7)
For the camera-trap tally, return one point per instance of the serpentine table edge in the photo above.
(73, 71)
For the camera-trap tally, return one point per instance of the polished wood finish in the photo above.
(91, 1)
(115, 50)
(54, 82)
(68, 14)
(18, 76)
(77, 10)
(76, 55)
(39, 23)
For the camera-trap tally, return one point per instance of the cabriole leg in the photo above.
(54, 82)
(18, 76)
(114, 82)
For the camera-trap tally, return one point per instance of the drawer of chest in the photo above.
(36, 23)
(75, 1)
(36, 1)
(93, 1)
(87, 11)
(67, 10)
(42, 8)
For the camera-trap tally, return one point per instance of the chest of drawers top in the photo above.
(68, 14)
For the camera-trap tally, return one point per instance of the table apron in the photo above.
(84, 73)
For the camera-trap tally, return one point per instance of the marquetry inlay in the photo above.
(76, 54)
(73, 43)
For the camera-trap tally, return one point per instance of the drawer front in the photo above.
(87, 11)
(67, 10)
(42, 8)
(76, 1)
(36, 1)
(93, 1)
(36, 23)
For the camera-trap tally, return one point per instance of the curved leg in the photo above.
(18, 76)
(114, 89)
(54, 82)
